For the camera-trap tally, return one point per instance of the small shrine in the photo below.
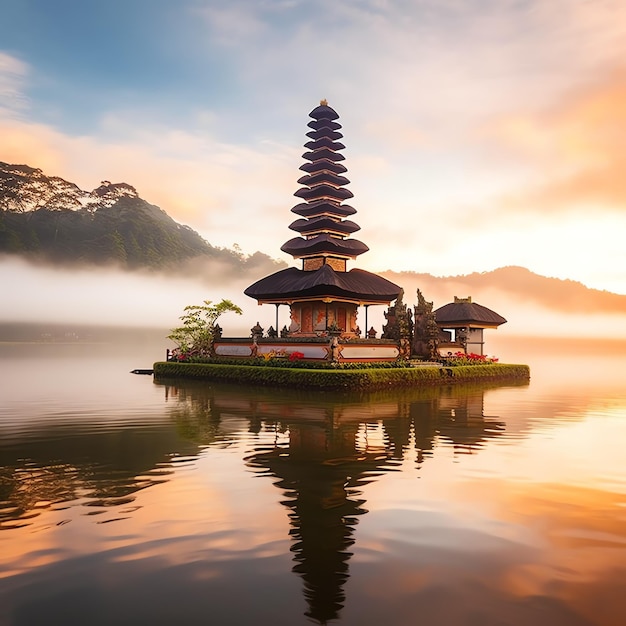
(462, 324)
(323, 295)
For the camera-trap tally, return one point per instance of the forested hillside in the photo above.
(49, 219)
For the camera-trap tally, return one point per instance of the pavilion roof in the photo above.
(462, 312)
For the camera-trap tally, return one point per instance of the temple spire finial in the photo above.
(323, 102)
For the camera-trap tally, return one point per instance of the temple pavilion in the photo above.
(323, 294)
(467, 320)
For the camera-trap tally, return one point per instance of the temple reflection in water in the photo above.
(334, 445)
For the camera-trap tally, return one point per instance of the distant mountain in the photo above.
(48, 219)
(515, 286)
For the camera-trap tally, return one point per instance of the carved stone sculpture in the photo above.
(426, 331)
(399, 321)
(257, 331)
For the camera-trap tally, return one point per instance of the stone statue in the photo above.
(405, 349)
(333, 350)
(399, 321)
(426, 331)
(461, 337)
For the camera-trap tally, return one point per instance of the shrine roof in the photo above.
(469, 313)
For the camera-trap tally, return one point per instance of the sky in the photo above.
(478, 133)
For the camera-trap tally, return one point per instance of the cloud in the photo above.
(578, 146)
(421, 87)
(213, 186)
(432, 65)
(231, 24)
(13, 73)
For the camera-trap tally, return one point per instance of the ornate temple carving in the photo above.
(426, 331)
(399, 320)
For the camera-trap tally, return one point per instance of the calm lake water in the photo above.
(125, 501)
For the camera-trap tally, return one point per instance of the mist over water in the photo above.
(83, 295)
(110, 297)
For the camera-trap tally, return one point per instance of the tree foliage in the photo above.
(195, 337)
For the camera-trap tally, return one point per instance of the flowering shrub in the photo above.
(179, 355)
(471, 358)
(275, 354)
(281, 355)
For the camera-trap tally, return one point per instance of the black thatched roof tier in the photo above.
(319, 124)
(467, 313)
(324, 244)
(335, 135)
(323, 207)
(324, 112)
(323, 165)
(294, 284)
(324, 142)
(323, 177)
(323, 153)
(322, 191)
(324, 224)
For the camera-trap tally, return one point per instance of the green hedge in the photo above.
(299, 363)
(340, 379)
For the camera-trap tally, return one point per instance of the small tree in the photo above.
(196, 335)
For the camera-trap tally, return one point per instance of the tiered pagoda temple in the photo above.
(323, 295)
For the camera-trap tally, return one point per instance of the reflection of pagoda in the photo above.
(324, 466)
(323, 293)
(329, 458)
(320, 473)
